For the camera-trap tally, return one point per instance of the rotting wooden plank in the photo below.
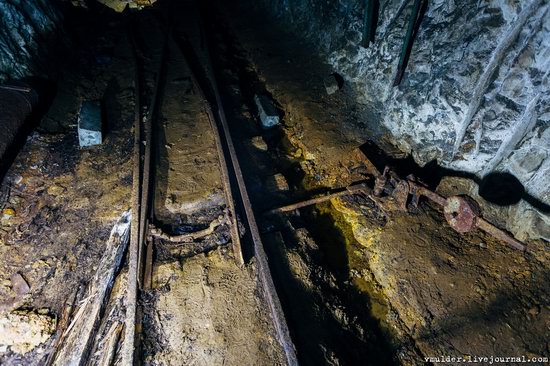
(113, 337)
(63, 323)
(79, 335)
(148, 271)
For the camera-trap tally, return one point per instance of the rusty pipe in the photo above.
(498, 233)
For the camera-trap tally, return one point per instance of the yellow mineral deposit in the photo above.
(8, 213)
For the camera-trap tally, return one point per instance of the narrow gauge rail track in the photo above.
(141, 243)
(141, 195)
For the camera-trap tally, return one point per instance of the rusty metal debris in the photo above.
(461, 212)
(158, 233)
(353, 189)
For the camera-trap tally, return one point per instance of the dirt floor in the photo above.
(431, 290)
(207, 312)
(360, 283)
(60, 202)
(65, 200)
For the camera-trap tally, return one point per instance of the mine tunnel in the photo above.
(274, 182)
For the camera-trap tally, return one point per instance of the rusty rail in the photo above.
(190, 57)
(141, 203)
(128, 347)
(353, 189)
(265, 278)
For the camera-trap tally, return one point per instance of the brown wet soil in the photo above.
(431, 290)
(66, 199)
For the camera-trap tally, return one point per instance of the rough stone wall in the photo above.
(26, 28)
(475, 96)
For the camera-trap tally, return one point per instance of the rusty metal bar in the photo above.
(498, 233)
(224, 170)
(232, 213)
(313, 201)
(432, 196)
(279, 321)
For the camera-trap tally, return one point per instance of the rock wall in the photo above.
(26, 30)
(475, 93)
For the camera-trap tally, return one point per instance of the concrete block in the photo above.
(269, 116)
(89, 124)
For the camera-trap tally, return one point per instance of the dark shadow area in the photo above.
(339, 79)
(499, 188)
(318, 335)
(111, 108)
(502, 189)
(42, 95)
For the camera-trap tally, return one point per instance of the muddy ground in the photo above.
(431, 290)
(60, 203)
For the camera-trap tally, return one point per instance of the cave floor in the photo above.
(359, 283)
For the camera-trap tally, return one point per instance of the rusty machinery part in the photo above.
(461, 212)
